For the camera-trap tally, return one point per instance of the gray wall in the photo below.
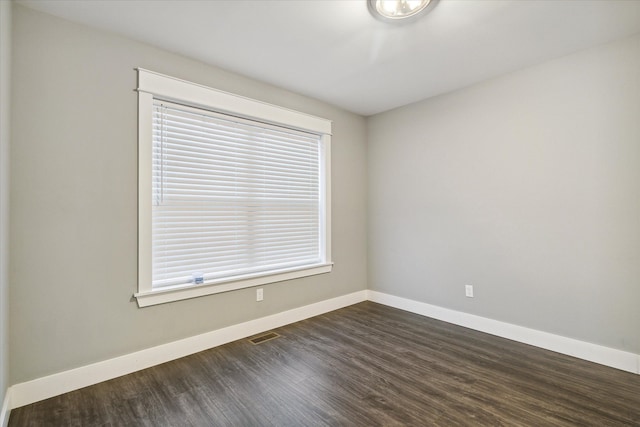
(5, 69)
(526, 186)
(73, 207)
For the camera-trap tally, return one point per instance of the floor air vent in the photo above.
(263, 338)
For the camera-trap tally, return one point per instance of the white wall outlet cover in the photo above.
(468, 291)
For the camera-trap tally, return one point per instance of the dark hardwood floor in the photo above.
(364, 365)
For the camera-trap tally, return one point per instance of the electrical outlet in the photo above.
(468, 291)
(259, 294)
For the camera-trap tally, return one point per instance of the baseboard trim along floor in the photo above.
(63, 382)
(6, 409)
(618, 359)
(43, 388)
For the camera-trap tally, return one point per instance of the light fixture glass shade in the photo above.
(399, 10)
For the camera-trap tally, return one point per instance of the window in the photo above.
(233, 192)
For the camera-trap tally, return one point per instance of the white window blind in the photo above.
(231, 197)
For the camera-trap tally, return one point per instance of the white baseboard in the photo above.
(63, 382)
(619, 359)
(6, 408)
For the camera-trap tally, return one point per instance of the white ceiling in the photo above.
(335, 51)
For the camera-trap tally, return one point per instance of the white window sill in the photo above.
(164, 295)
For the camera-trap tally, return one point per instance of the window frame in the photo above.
(152, 85)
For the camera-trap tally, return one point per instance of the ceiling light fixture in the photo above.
(399, 10)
